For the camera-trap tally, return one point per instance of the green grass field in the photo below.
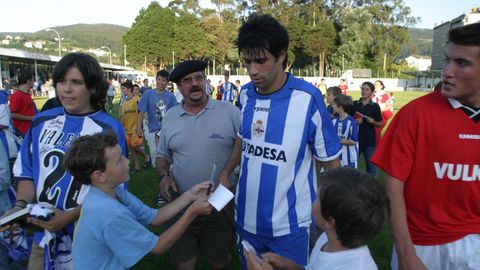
(144, 184)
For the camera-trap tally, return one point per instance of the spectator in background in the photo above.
(322, 86)
(210, 88)
(347, 130)
(129, 119)
(136, 90)
(50, 89)
(343, 86)
(368, 116)
(110, 96)
(22, 107)
(219, 91)
(332, 92)
(382, 98)
(228, 90)
(155, 104)
(238, 85)
(7, 85)
(144, 87)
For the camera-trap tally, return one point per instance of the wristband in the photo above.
(163, 175)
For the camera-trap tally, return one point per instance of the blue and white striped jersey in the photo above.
(43, 149)
(228, 90)
(281, 134)
(347, 129)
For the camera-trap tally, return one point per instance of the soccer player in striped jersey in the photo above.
(39, 169)
(284, 127)
(347, 130)
(228, 90)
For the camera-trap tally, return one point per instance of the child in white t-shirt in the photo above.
(351, 208)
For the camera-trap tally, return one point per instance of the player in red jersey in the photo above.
(382, 98)
(432, 164)
(344, 86)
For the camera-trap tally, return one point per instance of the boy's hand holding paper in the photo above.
(220, 197)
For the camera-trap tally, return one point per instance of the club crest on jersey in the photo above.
(258, 129)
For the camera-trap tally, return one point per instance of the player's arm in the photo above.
(171, 235)
(388, 105)
(407, 257)
(25, 195)
(25, 191)
(197, 192)
(59, 220)
(21, 117)
(232, 162)
(347, 142)
(376, 119)
(374, 123)
(269, 261)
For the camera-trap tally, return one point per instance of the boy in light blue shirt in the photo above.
(111, 232)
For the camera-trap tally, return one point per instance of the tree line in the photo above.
(326, 36)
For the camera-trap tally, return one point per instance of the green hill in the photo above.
(422, 40)
(92, 35)
(83, 36)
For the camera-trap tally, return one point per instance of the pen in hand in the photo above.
(212, 176)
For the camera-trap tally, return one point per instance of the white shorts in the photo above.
(462, 254)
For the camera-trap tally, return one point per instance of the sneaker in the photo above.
(147, 164)
(161, 201)
(132, 171)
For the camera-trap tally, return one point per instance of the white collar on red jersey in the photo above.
(469, 110)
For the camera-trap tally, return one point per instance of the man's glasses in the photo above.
(189, 80)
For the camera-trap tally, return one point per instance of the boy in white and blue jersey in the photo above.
(39, 170)
(284, 125)
(228, 90)
(347, 130)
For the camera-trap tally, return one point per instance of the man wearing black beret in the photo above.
(196, 140)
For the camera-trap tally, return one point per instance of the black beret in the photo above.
(185, 68)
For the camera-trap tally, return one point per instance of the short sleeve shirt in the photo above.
(366, 133)
(111, 233)
(282, 133)
(22, 103)
(432, 147)
(156, 105)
